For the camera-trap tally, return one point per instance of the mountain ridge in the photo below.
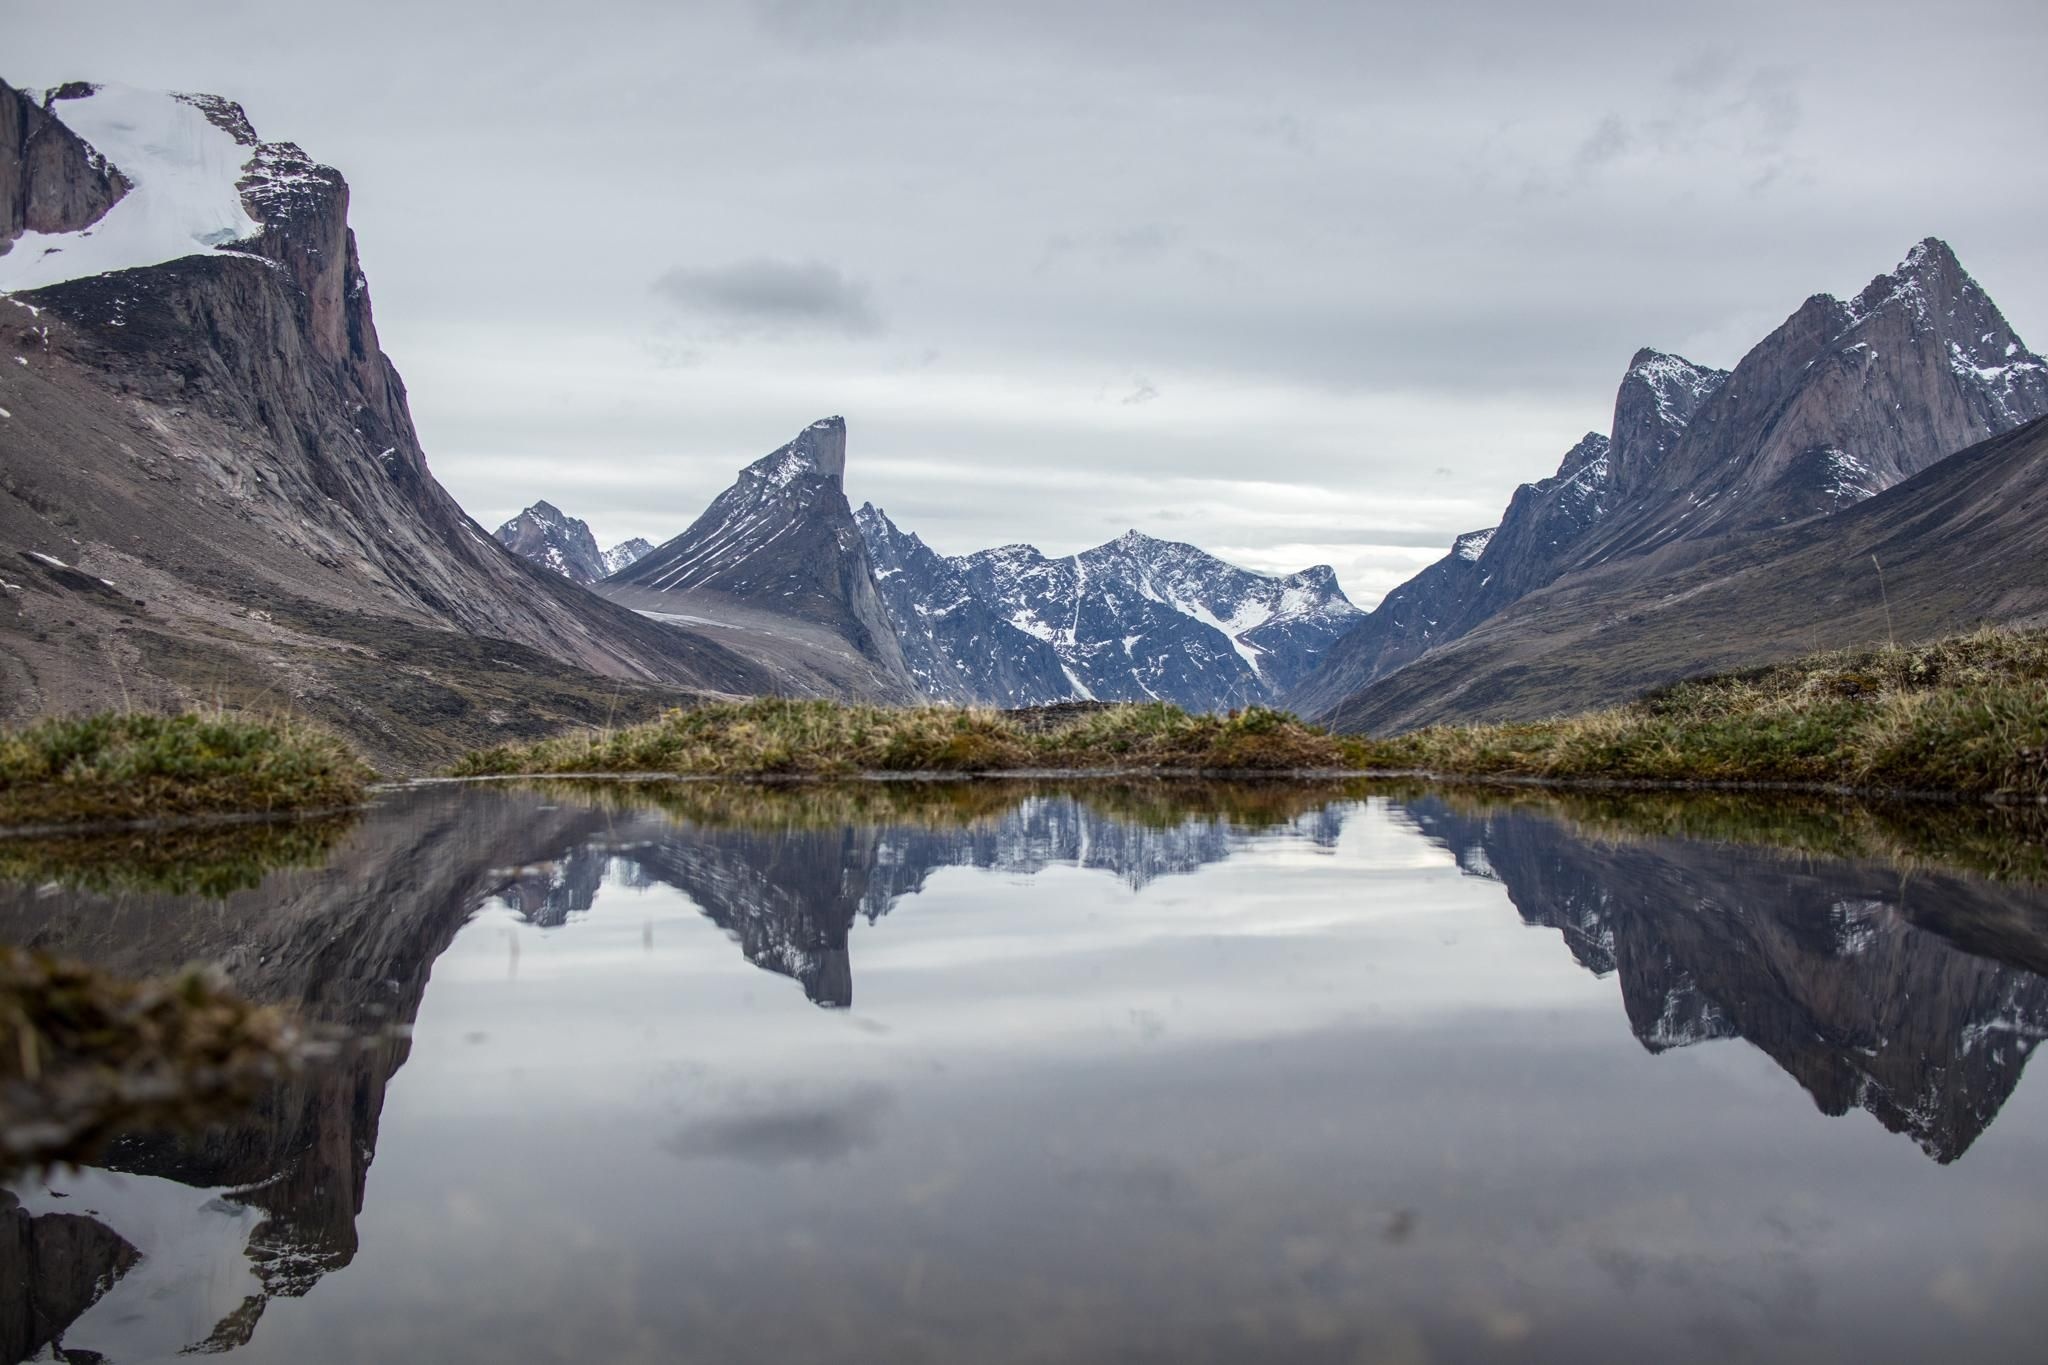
(1841, 402)
(1214, 635)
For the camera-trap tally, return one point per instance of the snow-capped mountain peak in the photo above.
(1136, 618)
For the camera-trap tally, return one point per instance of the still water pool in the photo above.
(1021, 1072)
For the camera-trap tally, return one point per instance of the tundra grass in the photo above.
(1961, 717)
(114, 768)
(771, 736)
(1967, 716)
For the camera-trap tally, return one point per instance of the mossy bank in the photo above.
(113, 769)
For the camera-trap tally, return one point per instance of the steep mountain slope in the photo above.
(210, 485)
(544, 534)
(777, 567)
(1842, 401)
(1541, 532)
(1137, 619)
(1962, 543)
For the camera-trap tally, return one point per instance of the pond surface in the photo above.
(1093, 1073)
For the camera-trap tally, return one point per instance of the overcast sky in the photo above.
(1299, 282)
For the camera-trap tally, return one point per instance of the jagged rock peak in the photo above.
(1585, 457)
(1929, 274)
(626, 554)
(819, 448)
(556, 541)
(1653, 406)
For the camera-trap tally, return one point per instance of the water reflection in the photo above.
(1821, 965)
(1909, 997)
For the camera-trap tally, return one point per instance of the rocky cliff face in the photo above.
(1137, 619)
(205, 436)
(1840, 403)
(50, 180)
(777, 562)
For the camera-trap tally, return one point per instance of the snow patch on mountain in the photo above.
(185, 195)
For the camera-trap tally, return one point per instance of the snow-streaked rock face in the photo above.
(248, 447)
(554, 540)
(1136, 619)
(563, 544)
(626, 552)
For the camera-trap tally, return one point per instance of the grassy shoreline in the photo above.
(1963, 718)
(123, 769)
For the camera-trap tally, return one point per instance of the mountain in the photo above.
(546, 535)
(626, 552)
(1958, 545)
(1137, 619)
(210, 483)
(1539, 534)
(777, 567)
(1840, 403)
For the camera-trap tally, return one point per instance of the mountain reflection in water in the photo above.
(1909, 997)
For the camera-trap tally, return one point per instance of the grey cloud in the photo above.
(1771, 102)
(1144, 391)
(1609, 139)
(805, 1134)
(823, 25)
(770, 297)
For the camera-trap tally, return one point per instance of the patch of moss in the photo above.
(105, 769)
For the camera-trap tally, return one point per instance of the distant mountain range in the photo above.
(1136, 619)
(1729, 518)
(554, 540)
(856, 605)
